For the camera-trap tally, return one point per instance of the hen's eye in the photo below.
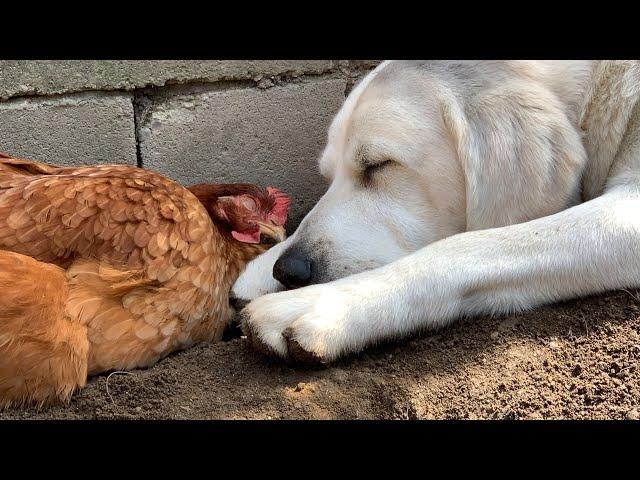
(267, 240)
(371, 169)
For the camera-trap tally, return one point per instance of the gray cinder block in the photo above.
(268, 137)
(79, 129)
(46, 77)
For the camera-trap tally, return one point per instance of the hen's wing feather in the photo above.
(115, 213)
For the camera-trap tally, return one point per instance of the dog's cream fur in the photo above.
(507, 185)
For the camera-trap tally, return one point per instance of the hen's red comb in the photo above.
(280, 207)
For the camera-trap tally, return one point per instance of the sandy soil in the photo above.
(573, 360)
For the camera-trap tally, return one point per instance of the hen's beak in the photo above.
(275, 233)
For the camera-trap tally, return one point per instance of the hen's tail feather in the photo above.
(43, 355)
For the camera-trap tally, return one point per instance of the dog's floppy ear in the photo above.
(520, 154)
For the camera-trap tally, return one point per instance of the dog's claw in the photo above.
(253, 339)
(295, 352)
(299, 354)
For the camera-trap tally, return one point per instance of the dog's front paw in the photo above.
(305, 325)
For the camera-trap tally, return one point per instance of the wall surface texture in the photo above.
(258, 121)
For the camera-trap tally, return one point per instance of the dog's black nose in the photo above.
(293, 270)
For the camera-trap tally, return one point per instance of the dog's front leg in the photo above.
(587, 249)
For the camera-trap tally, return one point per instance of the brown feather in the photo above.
(109, 267)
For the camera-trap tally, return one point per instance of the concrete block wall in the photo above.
(262, 121)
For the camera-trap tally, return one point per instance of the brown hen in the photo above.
(114, 267)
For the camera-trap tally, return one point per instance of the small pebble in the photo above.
(185, 408)
(633, 414)
(299, 387)
(495, 335)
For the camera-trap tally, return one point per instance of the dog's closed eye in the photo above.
(371, 169)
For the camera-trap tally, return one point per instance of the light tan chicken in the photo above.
(114, 267)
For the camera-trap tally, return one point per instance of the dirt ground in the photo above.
(573, 360)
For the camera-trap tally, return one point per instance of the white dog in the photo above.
(458, 188)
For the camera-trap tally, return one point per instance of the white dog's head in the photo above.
(395, 186)
(397, 160)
